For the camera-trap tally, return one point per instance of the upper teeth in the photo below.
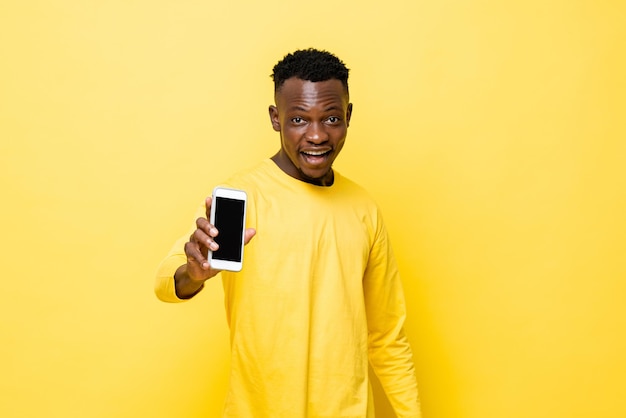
(315, 152)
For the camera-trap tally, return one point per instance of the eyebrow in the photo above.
(302, 109)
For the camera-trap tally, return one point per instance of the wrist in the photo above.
(185, 286)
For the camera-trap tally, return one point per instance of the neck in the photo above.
(284, 163)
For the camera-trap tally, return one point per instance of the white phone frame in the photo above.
(224, 192)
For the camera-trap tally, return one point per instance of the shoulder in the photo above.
(257, 177)
(251, 175)
(353, 190)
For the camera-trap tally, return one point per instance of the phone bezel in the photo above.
(236, 194)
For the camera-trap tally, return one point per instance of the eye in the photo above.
(297, 120)
(333, 120)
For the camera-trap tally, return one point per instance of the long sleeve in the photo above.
(389, 350)
(164, 283)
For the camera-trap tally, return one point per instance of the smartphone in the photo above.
(228, 215)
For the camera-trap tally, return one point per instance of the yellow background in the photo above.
(491, 133)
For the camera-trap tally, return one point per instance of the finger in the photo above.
(248, 234)
(204, 241)
(195, 257)
(207, 227)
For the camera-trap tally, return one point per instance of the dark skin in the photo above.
(313, 120)
(189, 278)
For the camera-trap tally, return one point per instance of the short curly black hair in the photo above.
(311, 65)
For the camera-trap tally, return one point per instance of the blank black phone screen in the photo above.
(230, 223)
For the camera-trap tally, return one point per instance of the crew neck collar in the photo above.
(274, 167)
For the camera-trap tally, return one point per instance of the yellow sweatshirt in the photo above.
(319, 295)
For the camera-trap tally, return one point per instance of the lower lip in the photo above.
(315, 159)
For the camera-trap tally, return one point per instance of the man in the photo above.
(319, 294)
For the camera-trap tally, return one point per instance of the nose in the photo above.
(316, 133)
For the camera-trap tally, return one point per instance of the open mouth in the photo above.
(316, 156)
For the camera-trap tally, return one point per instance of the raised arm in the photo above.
(176, 281)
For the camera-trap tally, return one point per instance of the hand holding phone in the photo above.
(228, 215)
(199, 266)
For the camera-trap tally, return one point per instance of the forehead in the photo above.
(298, 92)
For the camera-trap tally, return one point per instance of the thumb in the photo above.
(250, 232)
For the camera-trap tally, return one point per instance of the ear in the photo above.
(348, 114)
(274, 118)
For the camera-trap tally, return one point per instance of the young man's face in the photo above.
(313, 119)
